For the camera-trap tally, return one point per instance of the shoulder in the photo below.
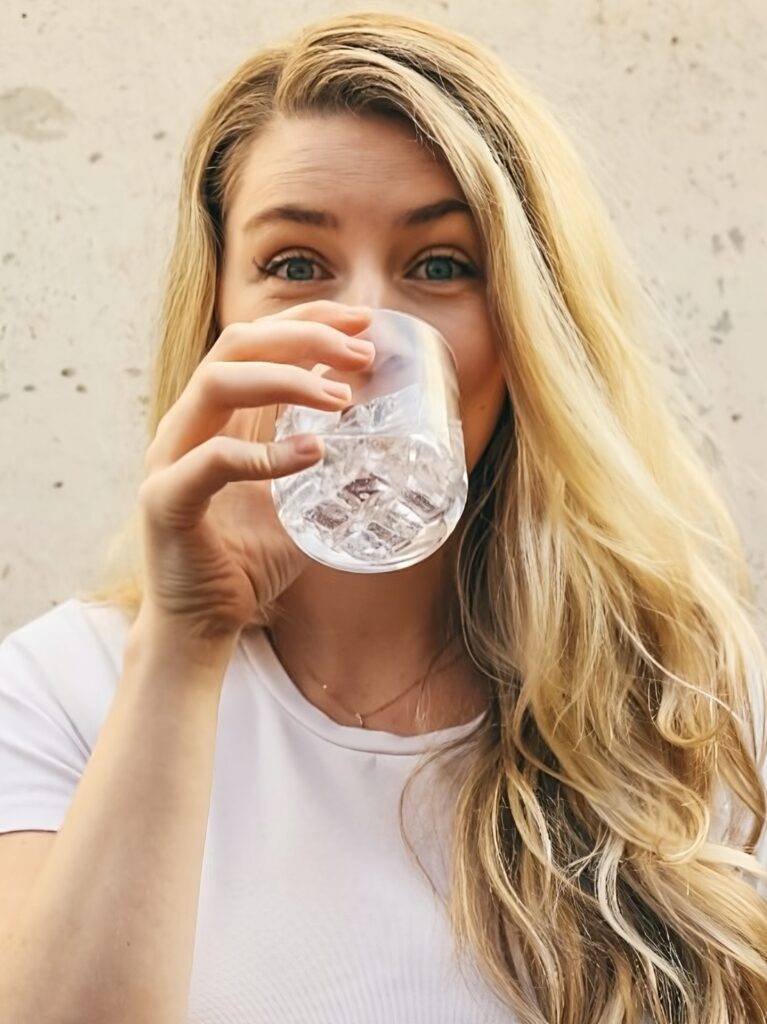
(69, 622)
(74, 633)
(66, 662)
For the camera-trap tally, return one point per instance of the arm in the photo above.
(106, 934)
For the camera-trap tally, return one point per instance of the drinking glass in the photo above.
(392, 483)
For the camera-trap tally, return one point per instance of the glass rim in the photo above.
(411, 316)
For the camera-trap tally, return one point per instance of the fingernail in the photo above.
(337, 390)
(306, 444)
(359, 310)
(362, 347)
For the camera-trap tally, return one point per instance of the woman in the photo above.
(583, 641)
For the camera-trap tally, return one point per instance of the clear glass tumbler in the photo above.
(392, 484)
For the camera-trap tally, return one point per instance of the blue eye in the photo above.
(442, 261)
(270, 270)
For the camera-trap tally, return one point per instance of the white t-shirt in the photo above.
(310, 910)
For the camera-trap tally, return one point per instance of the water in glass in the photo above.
(381, 498)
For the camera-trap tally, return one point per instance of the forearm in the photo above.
(107, 932)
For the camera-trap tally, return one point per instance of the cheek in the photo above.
(469, 333)
(483, 390)
(475, 369)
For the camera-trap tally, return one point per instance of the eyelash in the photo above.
(270, 269)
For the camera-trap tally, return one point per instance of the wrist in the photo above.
(179, 641)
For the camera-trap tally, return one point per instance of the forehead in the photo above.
(341, 159)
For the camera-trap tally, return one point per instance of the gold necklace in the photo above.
(360, 716)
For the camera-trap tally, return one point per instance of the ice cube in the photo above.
(290, 487)
(382, 409)
(299, 419)
(422, 505)
(339, 462)
(394, 530)
(402, 513)
(364, 489)
(354, 419)
(398, 412)
(363, 545)
(431, 471)
(388, 458)
(328, 515)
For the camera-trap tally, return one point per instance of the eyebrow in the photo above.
(324, 219)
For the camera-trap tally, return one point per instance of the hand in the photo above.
(216, 556)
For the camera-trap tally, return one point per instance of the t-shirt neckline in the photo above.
(263, 659)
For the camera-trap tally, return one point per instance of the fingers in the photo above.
(297, 339)
(178, 496)
(219, 388)
(259, 363)
(325, 310)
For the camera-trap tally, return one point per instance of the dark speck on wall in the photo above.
(737, 238)
(724, 323)
(717, 341)
(94, 157)
(160, 134)
(30, 387)
(4, 395)
(58, 483)
(133, 371)
(8, 256)
(736, 416)
(81, 387)
(68, 371)
(674, 40)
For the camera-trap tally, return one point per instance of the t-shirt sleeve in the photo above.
(57, 679)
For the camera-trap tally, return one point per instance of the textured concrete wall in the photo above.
(669, 100)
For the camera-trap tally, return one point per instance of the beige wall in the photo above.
(669, 101)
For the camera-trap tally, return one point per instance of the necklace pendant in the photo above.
(359, 719)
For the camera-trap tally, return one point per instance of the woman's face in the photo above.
(364, 175)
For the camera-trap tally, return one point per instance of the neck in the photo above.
(367, 637)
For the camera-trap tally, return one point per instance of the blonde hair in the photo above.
(603, 586)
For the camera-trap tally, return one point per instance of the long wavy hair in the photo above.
(600, 869)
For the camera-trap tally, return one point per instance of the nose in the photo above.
(368, 285)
